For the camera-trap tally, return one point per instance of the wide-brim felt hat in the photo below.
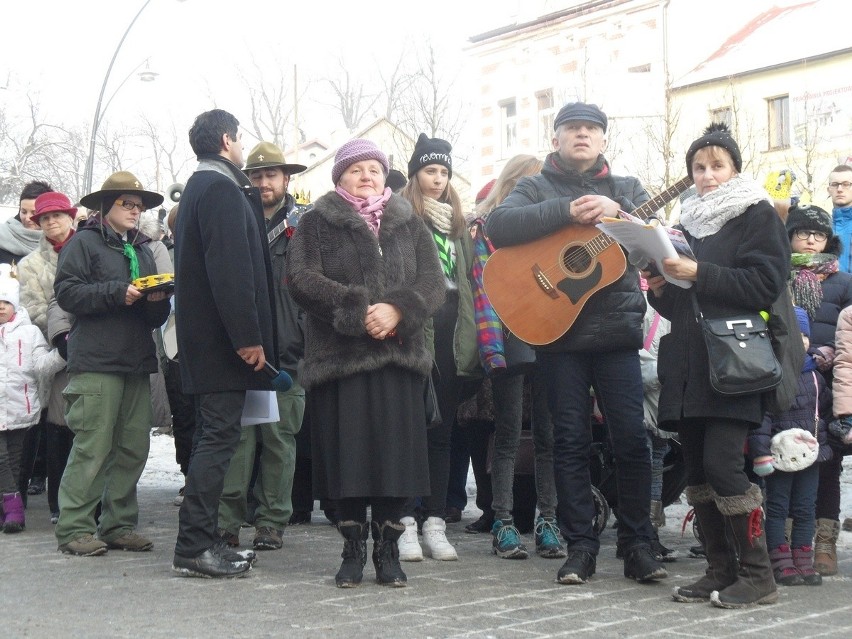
(117, 184)
(266, 155)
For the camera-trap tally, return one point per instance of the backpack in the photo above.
(789, 351)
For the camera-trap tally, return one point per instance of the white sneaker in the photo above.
(409, 547)
(435, 544)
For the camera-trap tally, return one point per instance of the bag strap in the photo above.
(649, 338)
(816, 406)
(699, 316)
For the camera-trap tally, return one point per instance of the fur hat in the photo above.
(804, 321)
(717, 134)
(430, 151)
(793, 449)
(10, 289)
(116, 185)
(580, 111)
(357, 150)
(53, 202)
(267, 154)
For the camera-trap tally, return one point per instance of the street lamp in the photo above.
(145, 76)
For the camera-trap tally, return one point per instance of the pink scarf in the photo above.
(370, 209)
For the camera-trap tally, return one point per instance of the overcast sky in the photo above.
(58, 51)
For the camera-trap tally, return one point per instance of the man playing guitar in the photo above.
(599, 351)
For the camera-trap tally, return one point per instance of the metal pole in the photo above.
(96, 121)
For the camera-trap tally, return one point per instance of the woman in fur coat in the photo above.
(364, 268)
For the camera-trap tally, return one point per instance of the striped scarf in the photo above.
(809, 271)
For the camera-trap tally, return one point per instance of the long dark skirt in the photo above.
(368, 436)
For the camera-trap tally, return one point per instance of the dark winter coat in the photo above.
(801, 415)
(611, 319)
(836, 295)
(92, 276)
(743, 267)
(223, 280)
(289, 317)
(337, 267)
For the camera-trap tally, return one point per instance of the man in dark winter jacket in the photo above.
(600, 349)
(271, 175)
(225, 328)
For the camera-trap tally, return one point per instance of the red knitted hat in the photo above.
(484, 191)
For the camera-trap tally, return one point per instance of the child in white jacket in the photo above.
(26, 364)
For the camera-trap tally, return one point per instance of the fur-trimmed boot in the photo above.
(825, 547)
(755, 584)
(386, 554)
(803, 558)
(354, 553)
(13, 513)
(721, 561)
(783, 567)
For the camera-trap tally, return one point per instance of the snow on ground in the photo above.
(162, 471)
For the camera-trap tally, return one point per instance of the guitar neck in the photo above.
(660, 200)
(603, 241)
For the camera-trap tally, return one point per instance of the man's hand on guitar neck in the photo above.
(589, 209)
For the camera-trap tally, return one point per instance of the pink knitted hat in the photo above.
(357, 150)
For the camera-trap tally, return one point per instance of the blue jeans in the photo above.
(793, 494)
(617, 381)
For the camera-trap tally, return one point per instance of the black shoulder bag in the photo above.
(739, 348)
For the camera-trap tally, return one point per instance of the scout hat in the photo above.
(118, 184)
(267, 154)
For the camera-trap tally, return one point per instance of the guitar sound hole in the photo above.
(576, 259)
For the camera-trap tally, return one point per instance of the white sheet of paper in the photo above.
(261, 407)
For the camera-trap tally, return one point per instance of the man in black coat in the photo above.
(600, 349)
(268, 171)
(225, 328)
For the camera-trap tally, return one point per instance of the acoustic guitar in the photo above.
(539, 288)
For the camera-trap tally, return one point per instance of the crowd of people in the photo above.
(394, 372)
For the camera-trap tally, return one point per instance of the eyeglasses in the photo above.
(129, 205)
(819, 236)
(834, 185)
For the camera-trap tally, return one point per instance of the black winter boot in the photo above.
(755, 583)
(386, 554)
(722, 562)
(354, 554)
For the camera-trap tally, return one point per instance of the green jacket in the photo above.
(464, 340)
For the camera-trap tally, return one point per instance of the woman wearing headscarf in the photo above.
(364, 268)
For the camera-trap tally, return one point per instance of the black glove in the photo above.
(61, 344)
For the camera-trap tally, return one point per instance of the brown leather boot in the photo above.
(755, 584)
(825, 547)
(721, 561)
